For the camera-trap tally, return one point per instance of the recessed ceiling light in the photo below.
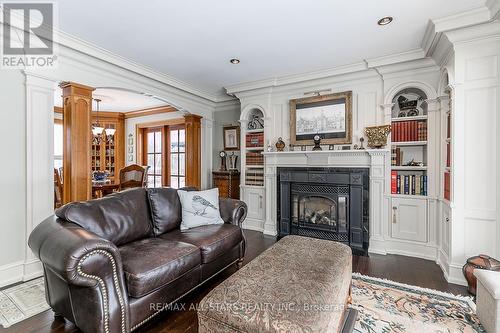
(234, 61)
(385, 20)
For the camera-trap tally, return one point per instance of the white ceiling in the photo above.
(117, 100)
(193, 40)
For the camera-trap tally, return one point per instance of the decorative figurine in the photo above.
(377, 135)
(280, 145)
(269, 147)
(331, 147)
(222, 155)
(255, 123)
(361, 141)
(303, 148)
(317, 142)
(232, 161)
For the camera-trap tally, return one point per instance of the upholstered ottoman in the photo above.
(298, 285)
(488, 299)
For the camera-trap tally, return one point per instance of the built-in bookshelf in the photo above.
(107, 150)
(409, 144)
(447, 167)
(253, 148)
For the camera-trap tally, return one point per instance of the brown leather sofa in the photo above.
(113, 263)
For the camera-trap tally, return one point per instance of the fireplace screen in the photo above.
(320, 212)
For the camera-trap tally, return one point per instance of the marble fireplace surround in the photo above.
(377, 160)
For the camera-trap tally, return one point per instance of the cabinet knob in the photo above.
(447, 219)
(394, 219)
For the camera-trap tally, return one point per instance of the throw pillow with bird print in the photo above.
(199, 208)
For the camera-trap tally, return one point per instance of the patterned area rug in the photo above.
(22, 301)
(385, 306)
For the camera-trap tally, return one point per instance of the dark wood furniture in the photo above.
(108, 151)
(133, 176)
(58, 189)
(228, 183)
(101, 189)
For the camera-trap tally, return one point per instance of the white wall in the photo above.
(221, 119)
(13, 171)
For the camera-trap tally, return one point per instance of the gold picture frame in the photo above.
(310, 112)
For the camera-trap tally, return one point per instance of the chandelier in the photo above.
(97, 129)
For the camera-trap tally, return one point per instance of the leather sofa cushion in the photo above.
(120, 217)
(165, 209)
(213, 240)
(151, 263)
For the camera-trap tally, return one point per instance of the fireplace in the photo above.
(327, 203)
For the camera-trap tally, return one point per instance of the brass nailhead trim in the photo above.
(103, 287)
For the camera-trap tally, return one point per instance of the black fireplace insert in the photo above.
(327, 203)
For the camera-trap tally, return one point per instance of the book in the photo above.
(406, 186)
(398, 189)
(394, 182)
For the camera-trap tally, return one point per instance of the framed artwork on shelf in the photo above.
(329, 116)
(231, 137)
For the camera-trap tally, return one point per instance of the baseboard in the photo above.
(20, 271)
(11, 273)
(391, 246)
(254, 225)
(456, 276)
(32, 269)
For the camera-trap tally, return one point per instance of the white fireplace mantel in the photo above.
(377, 160)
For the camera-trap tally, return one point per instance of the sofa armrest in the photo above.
(233, 211)
(490, 280)
(83, 259)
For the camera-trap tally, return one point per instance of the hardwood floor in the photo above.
(402, 269)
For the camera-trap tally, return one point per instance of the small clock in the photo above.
(223, 155)
(317, 142)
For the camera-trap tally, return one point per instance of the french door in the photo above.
(164, 151)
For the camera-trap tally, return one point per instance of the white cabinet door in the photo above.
(445, 229)
(254, 199)
(409, 219)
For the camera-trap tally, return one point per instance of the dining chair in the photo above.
(58, 190)
(133, 176)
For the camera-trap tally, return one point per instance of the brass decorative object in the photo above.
(280, 145)
(377, 135)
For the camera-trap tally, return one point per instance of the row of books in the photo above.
(255, 158)
(408, 184)
(447, 186)
(413, 130)
(255, 140)
(396, 156)
(254, 177)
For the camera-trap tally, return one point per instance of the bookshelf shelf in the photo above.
(256, 131)
(409, 143)
(409, 168)
(409, 118)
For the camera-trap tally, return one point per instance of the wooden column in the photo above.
(193, 150)
(77, 119)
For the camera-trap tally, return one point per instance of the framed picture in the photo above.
(329, 116)
(231, 138)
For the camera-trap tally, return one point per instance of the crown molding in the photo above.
(396, 58)
(149, 111)
(61, 38)
(98, 52)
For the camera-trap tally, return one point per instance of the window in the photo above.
(164, 151)
(58, 144)
(177, 157)
(154, 156)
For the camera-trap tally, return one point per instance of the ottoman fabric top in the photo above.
(298, 285)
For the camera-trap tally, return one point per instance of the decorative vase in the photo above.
(481, 261)
(100, 176)
(377, 136)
